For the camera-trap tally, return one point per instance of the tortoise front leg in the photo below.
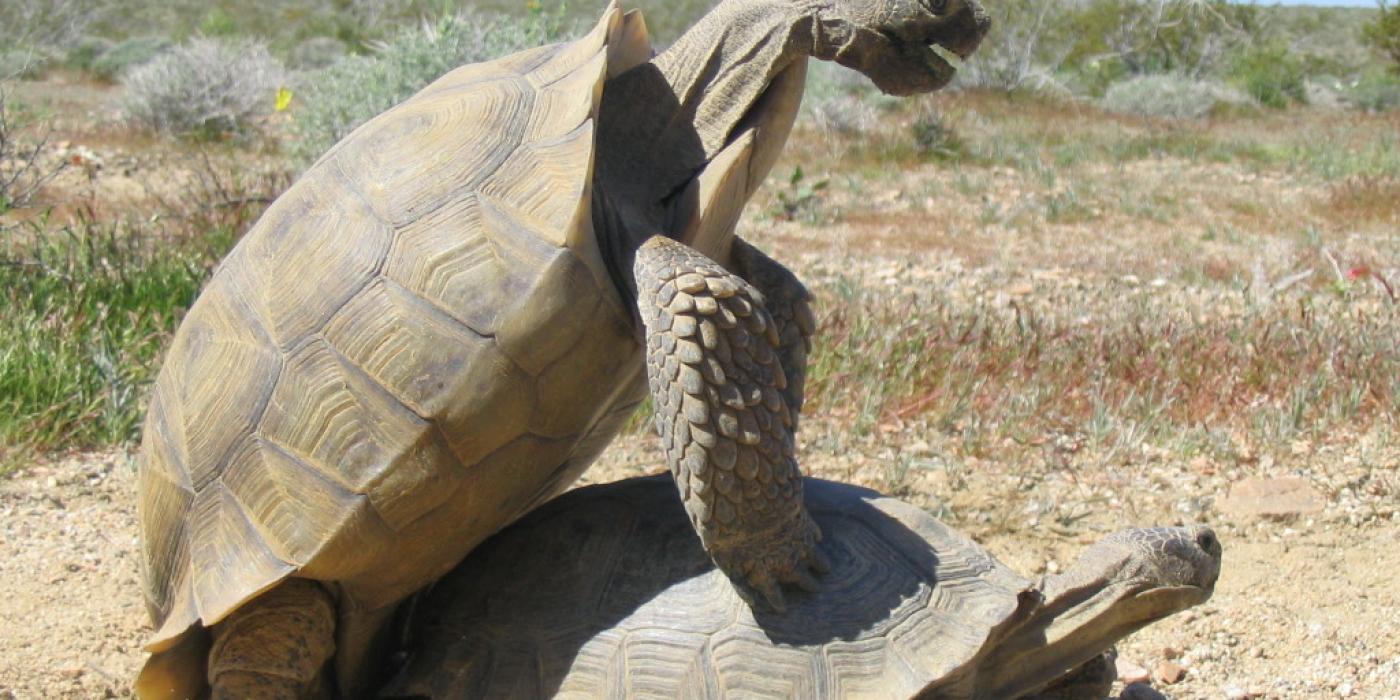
(789, 303)
(723, 418)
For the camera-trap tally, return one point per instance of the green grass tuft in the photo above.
(87, 311)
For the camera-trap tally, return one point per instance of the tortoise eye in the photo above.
(937, 7)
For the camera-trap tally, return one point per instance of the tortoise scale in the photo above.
(432, 332)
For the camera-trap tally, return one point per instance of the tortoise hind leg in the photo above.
(717, 381)
(276, 645)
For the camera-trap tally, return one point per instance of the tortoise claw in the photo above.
(804, 580)
(772, 593)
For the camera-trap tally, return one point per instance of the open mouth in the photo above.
(923, 66)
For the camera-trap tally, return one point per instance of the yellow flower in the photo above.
(284, 99)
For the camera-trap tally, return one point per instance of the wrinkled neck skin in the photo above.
(1080, 614)
(661, 125)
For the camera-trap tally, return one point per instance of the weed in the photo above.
(800, 199)
(1140, 371)
(88, 310)
(936, 139)
(22, 171)
(87, 307)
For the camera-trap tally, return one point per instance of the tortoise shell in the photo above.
(416, 344)
(607, 592)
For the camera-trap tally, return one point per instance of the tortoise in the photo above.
(606, 592)
(433, 331)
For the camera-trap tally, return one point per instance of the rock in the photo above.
(1234, 692)
(1140, 691)
(1272, 498)
(1129, 672)
(1169, 672)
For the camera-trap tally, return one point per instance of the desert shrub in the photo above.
(1383, 33)
(839, 100)
(1373, 90)
(85, 51)
(1170, 95)
(316, 53)
(47, 24)
(1192, 37)
(1024, 47)
(935, 137)
(22, 64)
(207, 86)
(22, 170)
(1274, 76)
(356, 88)
(129, 54)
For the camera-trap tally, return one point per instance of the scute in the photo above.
(357, 380)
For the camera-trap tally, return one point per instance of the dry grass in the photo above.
(1364, 199)
(1114, 367)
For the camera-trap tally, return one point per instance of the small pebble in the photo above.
(1169, 672)
(1129, 672)
(1141, 691)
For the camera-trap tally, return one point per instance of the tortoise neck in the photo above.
(1079, 618)
(662, 122)
(719, 69)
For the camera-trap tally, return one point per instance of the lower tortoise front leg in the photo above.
(727, 427)
(789, 303)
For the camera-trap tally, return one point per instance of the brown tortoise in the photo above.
(431, 333)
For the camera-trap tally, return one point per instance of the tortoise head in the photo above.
(1122, 583)
(901, 45)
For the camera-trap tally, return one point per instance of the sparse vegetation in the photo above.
(127, 55)
(22, 172)
(1170, 95)
(206, 87)
(88, 310)
(1272, 75)
(356, 88)
(89, 305)
(1121, 367)
(1383, 33)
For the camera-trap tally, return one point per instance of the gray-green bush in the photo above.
(207, 86)
(1272, 75)
(1375, 90)
(1170, 95)
(356, 88)
(129, 54)
(85, 51)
